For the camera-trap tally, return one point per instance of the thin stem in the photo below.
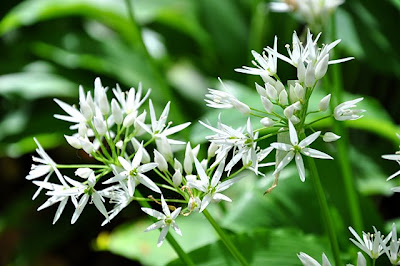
(171, 240)
(343, 155)
(81, 166)
(225, 239)
(325, 212)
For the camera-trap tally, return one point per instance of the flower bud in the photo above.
(330, 136)
(310, 76)
(164, 148)
(160, 160)
(188, 160)
(267, 79)
(301, 71)
(294, 119)
(87, 146)
(241, 107)
(300, 91)
(82, 130)
(86, 110)
(130, 119)
(321, 67)
(116, 112)
(83, 172)
(267, 122)
(212, 149)
(73, 141)
(103, 103)
(324, 103)
(288, 112)
(145, 155)
(261, 90)
(89, 101)
(119, 144)
(203, 164)
(283, 98)
(271, 91)
(267, 104)
(177, 178)
(100, 125)
(279, 86)
(178, 165)
(292, 94)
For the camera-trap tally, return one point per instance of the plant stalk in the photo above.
(225, 239)
(325, 212)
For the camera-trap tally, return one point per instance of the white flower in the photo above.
(265, 65)
(133, 173)
(62, 199)
(46, 167)
(213, 188)
(392, 251)
(371, 243)
(225, 100)
(307, 260)
(165, 220)
(296, 149)
(344, 112)
(160, 131)
(118, 195)
(132, 102)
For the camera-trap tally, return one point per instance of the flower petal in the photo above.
(293, 134)
(154, 213)
(315, 153)
(310, 139)
(300, 166)
(148, 183)
(288, 157)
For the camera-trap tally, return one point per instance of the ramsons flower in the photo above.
(295, 149)
(370, 243)
(165, 220)
(344, 110)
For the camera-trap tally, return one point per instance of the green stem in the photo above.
(325, 212)
(171, 240)
(81, 166)
(225, 239)
(343, 155)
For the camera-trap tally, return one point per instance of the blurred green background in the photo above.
(48, 48)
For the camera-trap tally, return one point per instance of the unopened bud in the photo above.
(82, 130)
(100, 126)
(321, 67)
(268, 106)
(130, 119)
(279, 86)
(160, 160)
(178, 165)
(283, 98)
(83, 172)
(300, 91)
(241, 107)
(177, 178)
(324, 103)
(267, 122)
(87, 146)
(116, 112)
(330, 136)
(310, 76)
(271, 91)
(301, 71)
(261, 90)
(212, 149)
(73, 141)
(295, 120)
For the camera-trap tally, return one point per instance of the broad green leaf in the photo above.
(131, 241)
(263, 247)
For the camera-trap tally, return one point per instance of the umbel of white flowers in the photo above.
(135, 152)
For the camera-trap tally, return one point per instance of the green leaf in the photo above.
(264, 247)
(131, 241)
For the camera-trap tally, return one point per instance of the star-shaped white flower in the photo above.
(344, 110)
(133, 173)
(371, 243)
(295, 149)
(213, 188)
(166, 220)
(393, 250)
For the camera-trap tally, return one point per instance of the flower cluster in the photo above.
(285, 111)
(136, 153)
(374, 245)
(314, 12)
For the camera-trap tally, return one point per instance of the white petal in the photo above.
(310, 139)
(217, 175)
(176, 228)
(163, 234)
(293, 134)
(394, 157)
(173, 130)
(226, 184)
(204, 203)
(125, 164)
(99, 204)
(148, 183)
(218, 197)
(393, 175)
(200, 171)
(165, 207)
(288, 157)
(79, 208)
(154, 213)
(300, 166)
(60, 210)
(315, 153)
(175, 213)
(281, 146)
(156, 225)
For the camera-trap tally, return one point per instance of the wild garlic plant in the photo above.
(373, 244)
(136, 152)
